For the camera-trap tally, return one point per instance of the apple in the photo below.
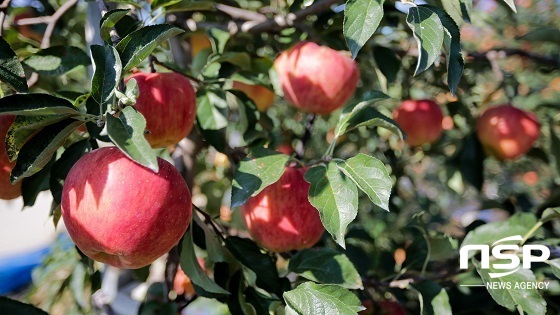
(421, 120)
(507, 132)
(392, 308)
(286, 148)
(27, 30)
(7, 190)
(370, 308)
(262, 96)
(182, 284)
(168, 102)
(316, 79)
(121, 213)
(199, 41)
(280, 218)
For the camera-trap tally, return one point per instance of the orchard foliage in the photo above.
(395, 215)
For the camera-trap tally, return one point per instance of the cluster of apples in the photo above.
(132, 229)
(505, 132)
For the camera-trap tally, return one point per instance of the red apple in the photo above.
(280, 218)
(370, 308)
(182, 284)
(262, 96)
(421, 120)
(286, 148)
(392, 308)
(199, 41)
(121, 213)
(507, 132)
(168, 102)
(316, 79)
(7, 190)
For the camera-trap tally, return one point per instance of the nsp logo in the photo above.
(508, 252)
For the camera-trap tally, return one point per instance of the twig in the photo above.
(46, 42)
(208, 220)
(254, 22)
(102, 6)
(3, 9)
(280, 22)
(238, 13)
(34, 20)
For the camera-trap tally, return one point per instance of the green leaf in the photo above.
(240, 59)
(38, 151)
(107, 73)
(57, 60)
(361, 19)
(543, 34)
(11, 71)
(214, 247)
(459, 10)
(433, 298)
(518, 224)
(190, 5)
(327, 266)
(189, 263)
(250, 255)
(210, 110)
(35, 104)
(109, 20)
(370, 117)
(260, 169)
(388, 62)
(452, 47)
(133, 3)
(527, 299)
(139, 44)
(352, 117)
(31, 186)
(511, 5)
(335, 196)
(442, 247)
(371, 176)
(127, 132)
(219, 37)
(9, 306)
(62, 166)
(550, 214)
(554, 146)
(156, 4)
(555, 265)
(23, 128)
(428, 33)
(311, 298)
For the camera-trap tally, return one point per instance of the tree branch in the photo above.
(3, 9)
(46, 42)
(280, 22)
(256, 22)
(238, 13)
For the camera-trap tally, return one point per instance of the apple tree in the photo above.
(338, 155)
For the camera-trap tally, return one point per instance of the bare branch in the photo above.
(242, 14)
(34, 20)
(3, 9)
(46, 42)
(257, 23)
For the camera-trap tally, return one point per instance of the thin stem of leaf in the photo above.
(530, 233)
(208, 220)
